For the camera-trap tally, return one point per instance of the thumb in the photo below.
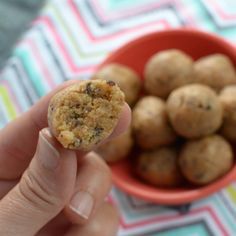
(43, 191)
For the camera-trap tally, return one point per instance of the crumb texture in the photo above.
(84, 114)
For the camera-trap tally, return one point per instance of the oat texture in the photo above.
(84, 114)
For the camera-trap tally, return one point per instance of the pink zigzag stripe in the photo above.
(14, 99)
(73, 67)
(47, 21)
(113, 35)
(39, 59)
(173, 217)
(125, 12)
(221, 11)
(129, 12)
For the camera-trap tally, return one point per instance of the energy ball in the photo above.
(167, 70)
(228, 100)
(215, 70)
(126, 78)
(150, 123)
(194, 111)
(116, 149)
(205, 160)
(159, 167)
(85, 113)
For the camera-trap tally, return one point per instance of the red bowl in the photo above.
(135, 54)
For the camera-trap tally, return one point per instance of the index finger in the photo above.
(19, 138)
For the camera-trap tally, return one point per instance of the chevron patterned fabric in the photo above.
(71, 37)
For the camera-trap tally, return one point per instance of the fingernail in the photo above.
(82, 204)
(46, 152)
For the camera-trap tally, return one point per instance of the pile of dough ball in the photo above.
(184, 118)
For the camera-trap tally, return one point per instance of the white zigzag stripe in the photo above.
(204, 216)
(44, 53)
(219, 20)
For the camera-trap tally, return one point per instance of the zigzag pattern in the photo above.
(69, 39)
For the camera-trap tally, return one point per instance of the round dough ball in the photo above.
(167, 70)
(215, 70)
(82, 115)
(116, 149)
(150, 123)
(228, 100)
(205, 160)
(159, 167)
(126, 78)
(194, 111)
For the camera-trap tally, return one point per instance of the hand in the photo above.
(44, 188)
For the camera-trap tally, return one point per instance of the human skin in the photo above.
(52, 186)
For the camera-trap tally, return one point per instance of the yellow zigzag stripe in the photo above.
(8, 104)
(232, 192)
(57, 15)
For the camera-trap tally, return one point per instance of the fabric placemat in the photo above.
(68, 39)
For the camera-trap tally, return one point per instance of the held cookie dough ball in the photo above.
(126, 78)
(205, 160)
(194, 110)
(215, 70)
(159, 167)
(167, 70)
(85, 113)
(150, 123)
(228, 100)
(116, 149)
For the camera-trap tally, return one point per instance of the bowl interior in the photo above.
(135, 54)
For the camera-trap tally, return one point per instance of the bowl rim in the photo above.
(165, 196)
(188, 31)
(189, 195)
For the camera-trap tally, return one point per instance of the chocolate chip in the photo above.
(98, 130)
(200, 105)
(89, 90)
(75, 115)
(111, 83)
(51, 107)
(78, 122)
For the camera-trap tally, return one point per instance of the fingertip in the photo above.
(47, 134)
(90, 190)
(105, 222)
(123, 123)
